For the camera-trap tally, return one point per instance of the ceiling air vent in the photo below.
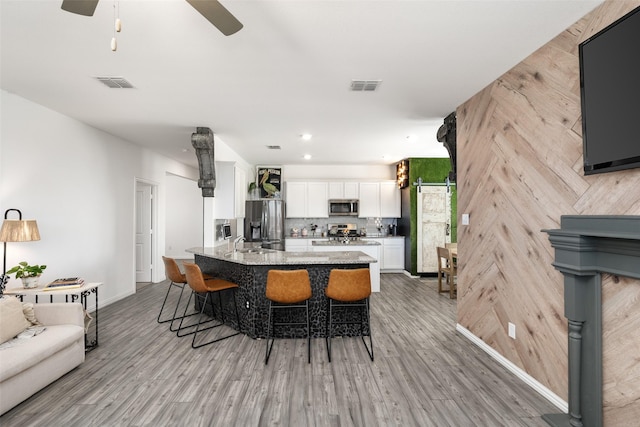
(115, 82)
(365, 85)
(273, 147)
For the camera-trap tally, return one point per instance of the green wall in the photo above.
(431, 171)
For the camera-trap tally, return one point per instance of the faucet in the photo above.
(236, 241)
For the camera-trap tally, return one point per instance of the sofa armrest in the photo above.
(59, 313)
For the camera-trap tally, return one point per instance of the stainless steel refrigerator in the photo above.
(264, 223)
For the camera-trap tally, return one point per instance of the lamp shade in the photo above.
(19, 230)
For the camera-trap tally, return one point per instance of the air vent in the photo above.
(273, 147)
(115, 82)
(365, 85)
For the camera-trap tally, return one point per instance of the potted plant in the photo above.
(29, 274)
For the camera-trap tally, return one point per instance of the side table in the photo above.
(71, 295)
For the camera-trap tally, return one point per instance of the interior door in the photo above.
(144, 232)
(434, 225)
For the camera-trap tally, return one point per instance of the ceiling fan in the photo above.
(215, 13)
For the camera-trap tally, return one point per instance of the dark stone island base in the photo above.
(253, 304)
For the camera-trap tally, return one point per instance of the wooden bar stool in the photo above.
(287, 289)
(200, 285)
(350, 288)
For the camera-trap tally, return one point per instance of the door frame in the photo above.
(154, 227)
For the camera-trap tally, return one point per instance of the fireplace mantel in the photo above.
(585, 248)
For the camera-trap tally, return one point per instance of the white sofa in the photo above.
(31, 364)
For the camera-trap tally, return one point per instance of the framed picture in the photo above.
(269, 182)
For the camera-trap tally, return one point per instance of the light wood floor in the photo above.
(424, 374)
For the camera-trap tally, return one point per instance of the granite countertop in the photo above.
(349, 243)
(257, 256)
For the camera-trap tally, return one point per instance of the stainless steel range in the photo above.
(345, 232)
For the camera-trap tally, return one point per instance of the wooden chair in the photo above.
(448, 269)
(202, 288)
(287, 289)
(349, 288)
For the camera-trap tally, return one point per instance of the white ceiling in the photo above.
(287, 72)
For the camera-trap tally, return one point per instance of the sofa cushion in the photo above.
(12, 320)
(27, 352)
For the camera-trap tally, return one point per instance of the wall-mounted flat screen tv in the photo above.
(610, 96)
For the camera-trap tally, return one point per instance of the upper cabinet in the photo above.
(230, 192)
(369, 206)
(379, 200)
(389, 200)
(307, 199)
(343, 190)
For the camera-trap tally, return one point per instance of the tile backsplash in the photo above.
(373, 226)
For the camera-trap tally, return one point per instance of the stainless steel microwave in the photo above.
(343, 207)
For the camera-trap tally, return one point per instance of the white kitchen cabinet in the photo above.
(393, 253)
(336, 190)
(307, 199)
(296, 245)
(317, 200)
(296, 199)
(380, 250)
(369, 200)
(351, 190)
(389, 200)
(343, 190)
(230, 192)
(379, 200)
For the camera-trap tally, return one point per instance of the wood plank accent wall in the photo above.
(519, 169)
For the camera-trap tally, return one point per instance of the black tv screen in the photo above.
(610, 96)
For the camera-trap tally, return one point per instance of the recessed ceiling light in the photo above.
(305, 136)
(307, 156)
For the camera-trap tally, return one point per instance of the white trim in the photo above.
(528, 379)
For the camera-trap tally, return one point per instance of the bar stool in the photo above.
(199, 285)
(350, 288)
(176, 279)
(287, 289)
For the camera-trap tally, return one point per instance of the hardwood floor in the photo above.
(424, 374)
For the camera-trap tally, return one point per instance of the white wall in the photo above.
(79, 184)
(184, 216)
(338, 172)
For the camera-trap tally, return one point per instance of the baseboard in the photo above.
(528, 379)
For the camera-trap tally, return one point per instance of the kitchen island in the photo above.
(248, 267)
(370, 248)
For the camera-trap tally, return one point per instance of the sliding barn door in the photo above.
(434, 225)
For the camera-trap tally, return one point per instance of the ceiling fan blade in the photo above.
(218, 15)
(81, 7)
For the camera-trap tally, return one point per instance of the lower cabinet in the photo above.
(300, 245)
(296, 245)
(391, 253)
(393, 249)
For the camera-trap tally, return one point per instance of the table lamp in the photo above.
(15, 230)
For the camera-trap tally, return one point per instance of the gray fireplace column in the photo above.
(585, 248)
(202, 141)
